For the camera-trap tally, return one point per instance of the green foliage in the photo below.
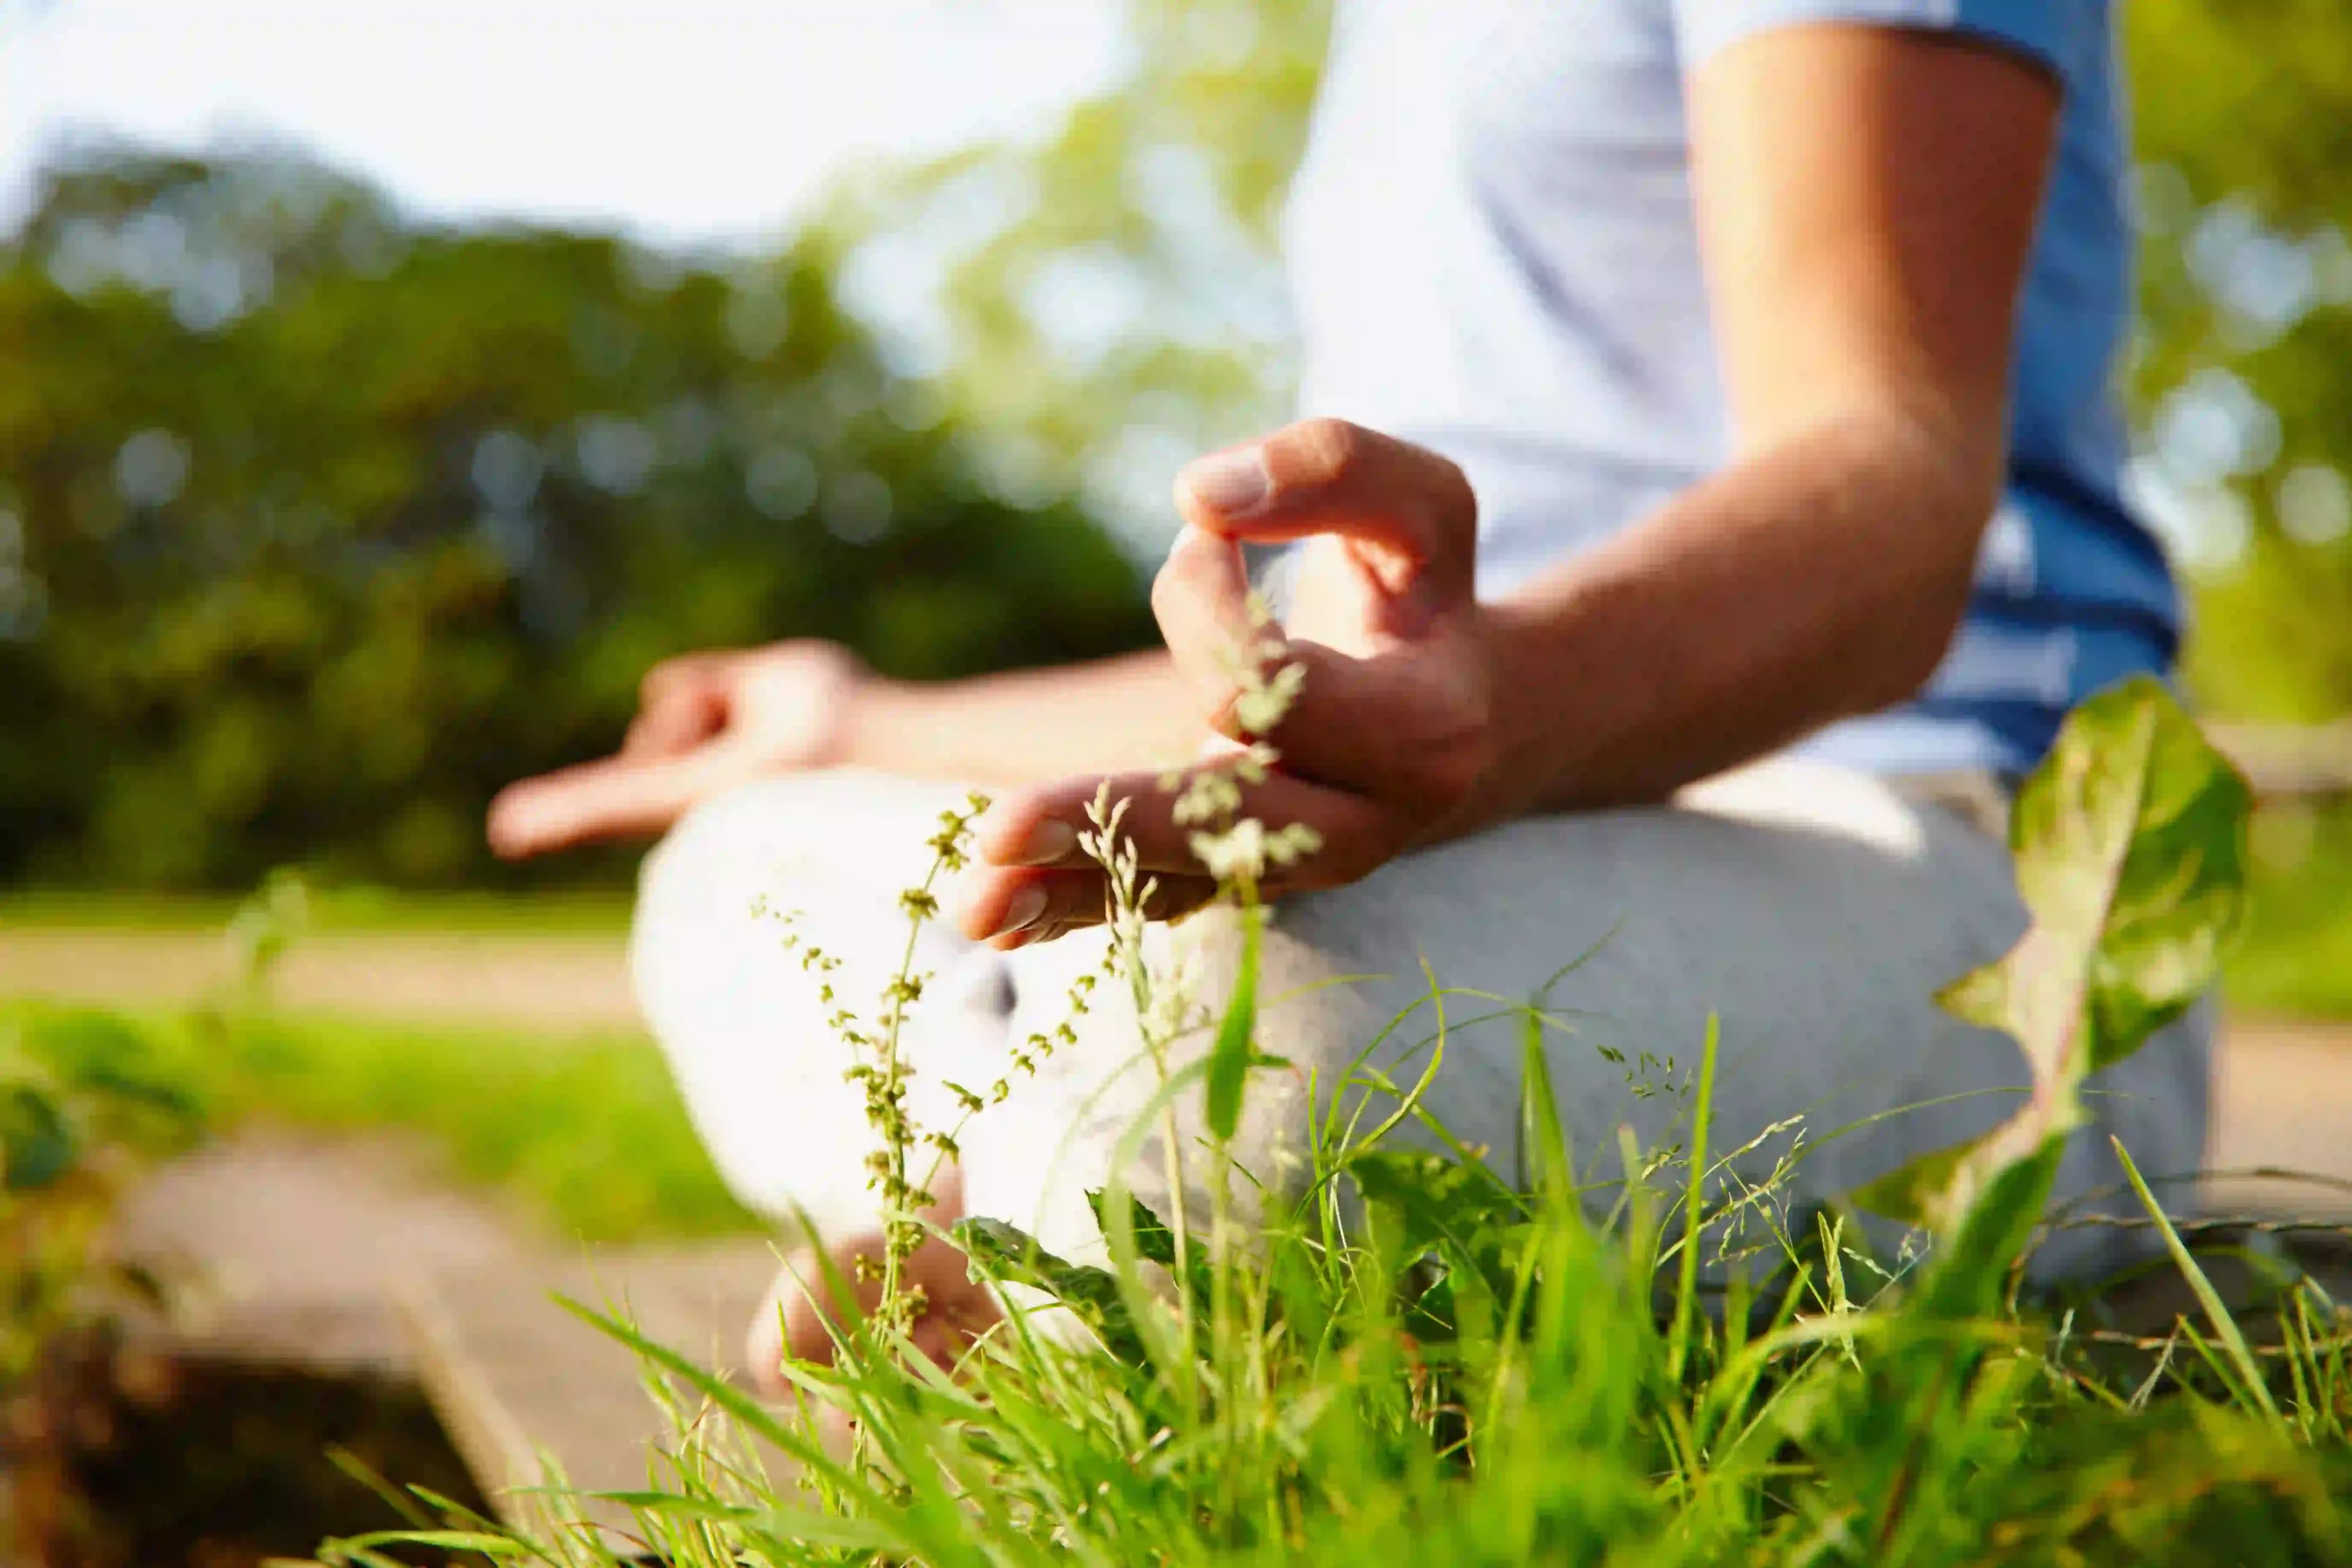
(585, 1135)
(2241, 108)
(1161, 198)
(1002, 1254)
(1420, 1353)
(75, 1128)
(2296, 958)
(317, 525)
(1236, 1052)
(2129, 842)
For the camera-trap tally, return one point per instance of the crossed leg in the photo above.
(1813, 911)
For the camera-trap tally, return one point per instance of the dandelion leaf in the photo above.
(2129, 846)
(1155, 1243)
(1004, 1254)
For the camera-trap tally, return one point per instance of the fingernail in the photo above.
(1049, 843)
(1233, 484)
(1044, 842)
(1027, 906)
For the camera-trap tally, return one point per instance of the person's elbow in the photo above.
(1951, 472)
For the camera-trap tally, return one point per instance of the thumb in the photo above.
(1409, 511)
(619, 797)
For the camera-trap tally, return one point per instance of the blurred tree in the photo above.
(2244, 379)
(316, 525)
(1108, 304)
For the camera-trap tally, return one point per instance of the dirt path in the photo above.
(306, 1246)
(557, 982)
(2282, 1099)
(284, 1247)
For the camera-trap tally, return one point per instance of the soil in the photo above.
(301, 1268)
(121, 1458)
(556, 982)
(206, 1440)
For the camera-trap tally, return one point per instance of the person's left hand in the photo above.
(1387, 741)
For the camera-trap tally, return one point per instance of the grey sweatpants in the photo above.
(1813, 910)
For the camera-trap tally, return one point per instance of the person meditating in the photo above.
(1712, 501)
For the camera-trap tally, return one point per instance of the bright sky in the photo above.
(681, 119)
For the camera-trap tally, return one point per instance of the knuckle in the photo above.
(1468, 753)
(1451, 488)
(672, 678)
(661, 678)
(1326, 449)
(1454, 750)
(1453, 769)
(1171, 589)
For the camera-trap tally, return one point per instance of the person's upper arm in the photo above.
(1868, 175)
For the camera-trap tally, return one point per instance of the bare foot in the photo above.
(792, 1321)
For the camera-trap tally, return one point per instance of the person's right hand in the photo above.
(706, 723)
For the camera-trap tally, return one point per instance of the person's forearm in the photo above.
(1028, 725)
(1817, 579)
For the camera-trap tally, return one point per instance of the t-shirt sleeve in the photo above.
(2042, 31)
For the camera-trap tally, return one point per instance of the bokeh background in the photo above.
(384, 384)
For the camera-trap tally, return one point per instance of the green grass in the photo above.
(585, 1134)
(1661, 1359)
(2296, 955)
(1467, 1375)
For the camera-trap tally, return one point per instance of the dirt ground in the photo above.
(557, 983)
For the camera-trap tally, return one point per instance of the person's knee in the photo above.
(745, 1026)
(1097, 1098)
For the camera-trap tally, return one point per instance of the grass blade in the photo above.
(2224, 1325)
(1694, 1217)
(1230, 1058)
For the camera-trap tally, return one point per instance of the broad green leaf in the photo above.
(2130, 844)
(1911, 1192)
(1424, 1204)
(1230, 1059)
(1155, 1243)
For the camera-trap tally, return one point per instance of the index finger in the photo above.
(1413, 507)
(1041, 826)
